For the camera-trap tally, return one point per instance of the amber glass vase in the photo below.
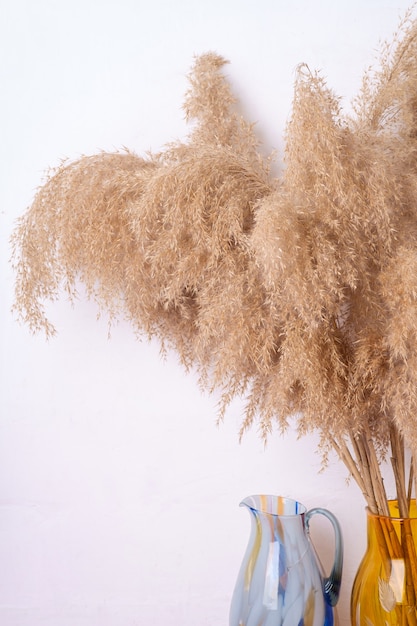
(385, 588)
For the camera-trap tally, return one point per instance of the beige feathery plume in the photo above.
(299, 293)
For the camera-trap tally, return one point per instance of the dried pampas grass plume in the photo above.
(298, 292)
(154, 239)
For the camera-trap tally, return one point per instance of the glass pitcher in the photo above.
(280, 581)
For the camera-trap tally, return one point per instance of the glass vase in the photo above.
(384, 592)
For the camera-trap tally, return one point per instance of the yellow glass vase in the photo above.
(385, 588)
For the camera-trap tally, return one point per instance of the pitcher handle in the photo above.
(331, 583)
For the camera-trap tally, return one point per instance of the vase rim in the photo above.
(394, 511)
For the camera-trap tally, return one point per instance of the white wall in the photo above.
(118, 494)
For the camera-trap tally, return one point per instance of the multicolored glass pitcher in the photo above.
(280, 582)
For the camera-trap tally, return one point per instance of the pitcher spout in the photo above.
(251, 502)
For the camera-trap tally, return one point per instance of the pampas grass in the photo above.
(299, 293)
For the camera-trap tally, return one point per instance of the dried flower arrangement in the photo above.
(298, 293)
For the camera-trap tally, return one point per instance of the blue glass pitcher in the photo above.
(280, 581)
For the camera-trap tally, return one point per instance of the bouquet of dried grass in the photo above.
(299, 293)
